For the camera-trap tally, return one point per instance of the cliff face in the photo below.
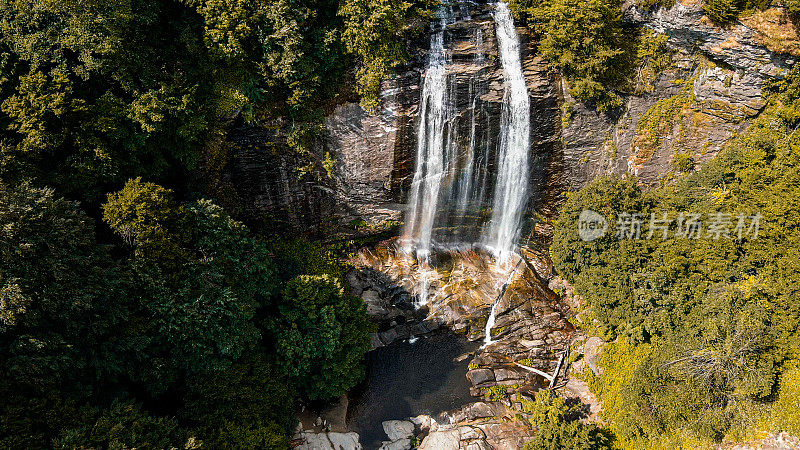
(374, 152)
(709, 92)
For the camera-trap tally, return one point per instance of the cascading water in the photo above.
(510, 197)
(452, 187)
(466, 190)
(487, 340)
(435, 115)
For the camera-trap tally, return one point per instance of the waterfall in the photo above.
(467, 193)
(452, 186)
(434, 118)
(487, 339)
(510, 197)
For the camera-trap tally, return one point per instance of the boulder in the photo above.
(328, 441)
(591, 353)
(470, 433)
(400, 444)
(371, 297)
(441, 440)
(398, 429)
(478, 445)
(480, 376)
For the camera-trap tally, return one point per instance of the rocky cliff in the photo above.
(671, 122)
(709, 92)
(374, 152)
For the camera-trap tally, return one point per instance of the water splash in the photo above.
(511, 191)
(487, 340)
(424, 282)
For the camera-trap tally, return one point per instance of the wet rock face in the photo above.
(724, 70)
(375, 152)
(268, 191)
(390, 306)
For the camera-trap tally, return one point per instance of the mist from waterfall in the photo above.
(511, 191)
(452, 190)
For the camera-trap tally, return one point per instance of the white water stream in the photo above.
(450, 177)
(511, 191)
(435, 115)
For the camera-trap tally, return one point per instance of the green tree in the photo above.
(200, 276)
(253, 392)
(703, 327)
(126, 425)
(60, 306)
(557, 426)
(374, 32)
(584, 39)
(321, 336)
(94, 92)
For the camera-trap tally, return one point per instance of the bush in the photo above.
(585, 40)
(234, 436)
(655, 3)
(557, 426)
(683, 162)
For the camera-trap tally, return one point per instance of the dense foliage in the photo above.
(95, 93)
(558, 426)
(585, 40)
(726, 12)
(134, 311)
(193, 309)
(703, 322)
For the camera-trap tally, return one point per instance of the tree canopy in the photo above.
(703, 326)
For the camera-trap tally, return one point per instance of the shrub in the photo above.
(557, 426)
(787, 408)
(722, 12)
(683, 162)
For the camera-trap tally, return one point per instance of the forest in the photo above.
(139, 309)
(135, 311)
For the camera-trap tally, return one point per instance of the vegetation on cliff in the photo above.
(703, 324)
(599, 58)
(584, 39)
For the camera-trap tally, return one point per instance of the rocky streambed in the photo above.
(430, 372)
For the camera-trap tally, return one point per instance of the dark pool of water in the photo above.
(405, 380)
